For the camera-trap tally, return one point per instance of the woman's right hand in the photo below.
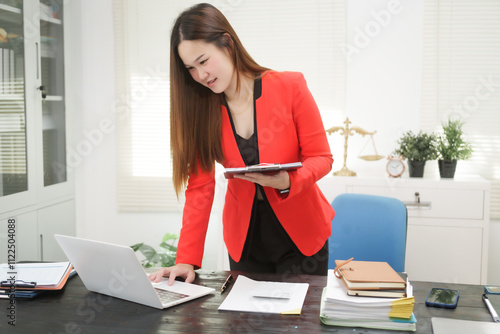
(183, 270)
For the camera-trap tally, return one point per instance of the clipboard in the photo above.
(69, 273)
(32, 284)
(270, 168)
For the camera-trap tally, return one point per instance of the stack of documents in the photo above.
(33, 278)
(340, 309)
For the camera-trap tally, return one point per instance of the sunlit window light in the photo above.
(150, 127)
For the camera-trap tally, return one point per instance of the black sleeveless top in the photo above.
(249, 148)
(260, 233)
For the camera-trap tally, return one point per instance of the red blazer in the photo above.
(289, 129)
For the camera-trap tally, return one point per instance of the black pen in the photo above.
(228, 281)
(493, 313)
(18, 284)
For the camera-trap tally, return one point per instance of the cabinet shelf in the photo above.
(9, 9)
(50, 19)
(10, 18)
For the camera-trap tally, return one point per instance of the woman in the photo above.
(227, 108)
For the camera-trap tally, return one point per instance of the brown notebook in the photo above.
(370, 275)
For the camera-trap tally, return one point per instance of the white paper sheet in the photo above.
(248, 295)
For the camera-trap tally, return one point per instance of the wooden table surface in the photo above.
(77, 310)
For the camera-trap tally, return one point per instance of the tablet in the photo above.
(261, 168)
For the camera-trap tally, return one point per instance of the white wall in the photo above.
(383, 94)
(383, 52)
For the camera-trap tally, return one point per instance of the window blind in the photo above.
(461, 79)
(142, 31)
(293, 35)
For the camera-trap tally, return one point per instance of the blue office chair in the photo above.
(368, 228)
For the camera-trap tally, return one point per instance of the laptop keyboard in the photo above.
(169, 296)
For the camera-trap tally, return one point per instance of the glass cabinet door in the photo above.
(13, 157)
(52, 91)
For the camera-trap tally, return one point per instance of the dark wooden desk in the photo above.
(76, 310)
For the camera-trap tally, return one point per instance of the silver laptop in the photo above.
(115, 271)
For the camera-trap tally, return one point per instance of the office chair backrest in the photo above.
(368, 228)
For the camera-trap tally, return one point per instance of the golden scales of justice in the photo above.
(349, 131)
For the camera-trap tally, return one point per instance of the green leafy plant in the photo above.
(163, 257)
(417, 147)
(451, 144)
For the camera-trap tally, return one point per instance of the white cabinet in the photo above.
(447, 238)
(35, 187)
(57, 218)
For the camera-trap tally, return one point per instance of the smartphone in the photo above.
(492, 289)
(445, 298)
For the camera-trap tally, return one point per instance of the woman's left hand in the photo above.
(279, 180)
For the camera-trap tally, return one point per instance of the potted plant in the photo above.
(417, 148)
(164, 257)
(451, 148)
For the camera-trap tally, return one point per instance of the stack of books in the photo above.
(372, 279)
(389, 304)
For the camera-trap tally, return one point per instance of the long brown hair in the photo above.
(195, 111)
